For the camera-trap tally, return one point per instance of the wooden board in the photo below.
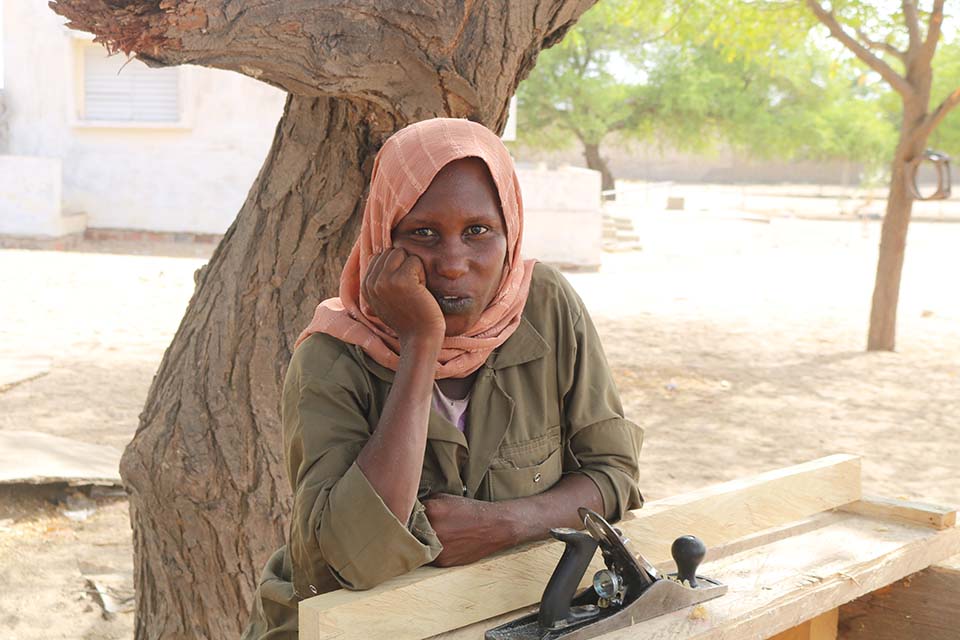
(781, 585)
(823, 627)
(916, 512)
(40, 458)
(923, 605)
(448, 599)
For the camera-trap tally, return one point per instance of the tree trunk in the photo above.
(893, 244)
(591, 153)
(208, 495)
(896, 221)
(204, 471)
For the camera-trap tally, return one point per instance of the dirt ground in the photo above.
(738, 345)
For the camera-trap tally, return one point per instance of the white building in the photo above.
(94, 141)
(105, 145)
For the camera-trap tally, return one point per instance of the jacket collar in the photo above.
(525, 345)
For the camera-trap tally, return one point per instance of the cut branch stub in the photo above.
(416, 59)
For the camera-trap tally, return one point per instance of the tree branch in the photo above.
(415, 58)
(882, 46)
(634, 116)
(934, 118)
(933, 31)
(895, 80)
(912, 21)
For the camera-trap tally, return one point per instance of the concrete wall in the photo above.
(649, 162)
(30, 196)
(563, 221)
(192, 176)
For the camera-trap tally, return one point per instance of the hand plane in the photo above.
(629, 590)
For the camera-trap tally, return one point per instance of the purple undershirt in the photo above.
(455, 411)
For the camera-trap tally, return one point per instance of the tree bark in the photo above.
(208, 495)
(591, 153)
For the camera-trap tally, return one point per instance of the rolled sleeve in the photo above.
(607, 453)
(341, 532)
(604, 444)
(363, 541)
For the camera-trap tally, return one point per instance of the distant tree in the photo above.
(885, 41)
(816, 107)
(787, 105)
(576, 92)
(652, 72)
(705, 74)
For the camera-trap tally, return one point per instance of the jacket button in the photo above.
(536, 478)
(313, 590)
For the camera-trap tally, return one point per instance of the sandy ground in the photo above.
(738, 346)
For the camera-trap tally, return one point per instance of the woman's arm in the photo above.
(392, 459)
(474, 529)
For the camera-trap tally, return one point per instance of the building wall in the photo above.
(652, 163)
(563, 221)
(30, 201)
(193, 176)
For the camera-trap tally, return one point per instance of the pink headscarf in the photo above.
(402, 171)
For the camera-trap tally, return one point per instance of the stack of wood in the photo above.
(805, 556)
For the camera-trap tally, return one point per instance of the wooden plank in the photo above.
(747, 543)
(923, 605)
(448, 599)
(928, 515)
(40, 458)
(823, 627)
(780, 585)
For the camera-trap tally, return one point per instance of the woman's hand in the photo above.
(395, 287)
(468, 529)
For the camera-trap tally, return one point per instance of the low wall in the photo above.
(30, 196)
(563, 221)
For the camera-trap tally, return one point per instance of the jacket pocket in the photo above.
(527, 453)
(534, 472)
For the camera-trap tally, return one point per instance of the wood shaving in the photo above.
(699, 612)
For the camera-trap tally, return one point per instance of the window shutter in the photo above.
(121, 91)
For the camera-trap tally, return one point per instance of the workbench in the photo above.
(802, 551)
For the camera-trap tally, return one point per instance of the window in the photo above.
(121, 91)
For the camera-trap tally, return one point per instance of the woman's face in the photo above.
(457, 231)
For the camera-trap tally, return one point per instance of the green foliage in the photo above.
(946, 78)
(884, 22)
(574, 92)
(697, 74)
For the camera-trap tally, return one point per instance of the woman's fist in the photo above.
(395, 287)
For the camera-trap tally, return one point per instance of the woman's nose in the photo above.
(451, 261)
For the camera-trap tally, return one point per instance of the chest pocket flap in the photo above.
(526, 468)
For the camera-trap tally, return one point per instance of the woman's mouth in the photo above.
(453, 305)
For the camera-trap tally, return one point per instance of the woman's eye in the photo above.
(476, 229)
(423, 232)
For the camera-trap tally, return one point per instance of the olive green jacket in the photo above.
(544, 404)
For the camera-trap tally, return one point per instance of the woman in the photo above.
(454, 400)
